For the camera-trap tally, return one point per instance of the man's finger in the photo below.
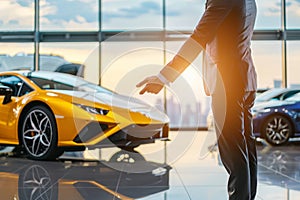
(144, 90)
(145, 81)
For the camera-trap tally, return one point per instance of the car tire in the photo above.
(277, 130)
(39, 134)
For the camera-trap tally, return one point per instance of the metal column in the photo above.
(284, 38)
(36, 35)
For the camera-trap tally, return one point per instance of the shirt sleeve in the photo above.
(215, 13)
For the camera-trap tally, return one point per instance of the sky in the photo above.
(129, 14)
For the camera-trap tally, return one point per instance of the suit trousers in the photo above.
(236, 143)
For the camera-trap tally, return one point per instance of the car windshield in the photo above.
(60, 81)
(295, 97)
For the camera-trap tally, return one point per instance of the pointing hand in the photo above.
(152, 85)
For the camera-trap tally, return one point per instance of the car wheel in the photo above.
(39, 134)
(277, 130)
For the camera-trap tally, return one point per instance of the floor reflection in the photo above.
(277, 165)
(280, 166)
(111, 174)
(127, 175)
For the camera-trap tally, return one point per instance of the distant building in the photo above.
(277, 83)
(294, 85)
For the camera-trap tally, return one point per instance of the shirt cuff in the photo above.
(163, 79)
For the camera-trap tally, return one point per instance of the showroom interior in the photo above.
(114, 44)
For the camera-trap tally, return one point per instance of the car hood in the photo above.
(117, 100)
(273, 103)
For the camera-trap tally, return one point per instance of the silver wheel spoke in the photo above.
(45, 125)
(279, 122)
(271, 135)
(286, 130)
(284, 126)
(31, 138)
(275, 122)
(283, 135)
(38, 147)
(35, 140)
(271, 126)
(32, 123)
(278, 136)
(47, 142)
(37, 137)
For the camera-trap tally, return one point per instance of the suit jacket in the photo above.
(225, 32)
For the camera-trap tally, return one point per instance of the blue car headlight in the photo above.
(93, 110)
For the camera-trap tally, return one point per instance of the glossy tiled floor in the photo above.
(181, 169)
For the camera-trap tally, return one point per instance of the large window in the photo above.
(267, 59)
(293, 14)
(187, 104)
(129, 15)
(16, 15)
(15, 56)
(97, 38)
(268, 14)
(54, 55)
(75, 15)
(183, 15)
(293, 61)
(124, 64)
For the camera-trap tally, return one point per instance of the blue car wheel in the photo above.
(277, 130)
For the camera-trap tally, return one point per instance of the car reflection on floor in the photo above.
(277, 165)
(280, 166)
(68, 179)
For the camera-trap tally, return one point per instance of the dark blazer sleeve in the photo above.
(215, 13)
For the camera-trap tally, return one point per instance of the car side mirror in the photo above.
(7, 93)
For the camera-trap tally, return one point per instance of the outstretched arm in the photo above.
(204, 32)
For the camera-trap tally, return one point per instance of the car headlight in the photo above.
(93, 110)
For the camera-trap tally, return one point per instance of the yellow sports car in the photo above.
(47, 113)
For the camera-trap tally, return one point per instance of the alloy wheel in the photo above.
(37, 133)
(277, 130)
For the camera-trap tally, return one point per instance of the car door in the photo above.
(8, 111)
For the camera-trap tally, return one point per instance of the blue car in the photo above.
(277, 121)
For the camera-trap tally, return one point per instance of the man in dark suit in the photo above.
(224, 32)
